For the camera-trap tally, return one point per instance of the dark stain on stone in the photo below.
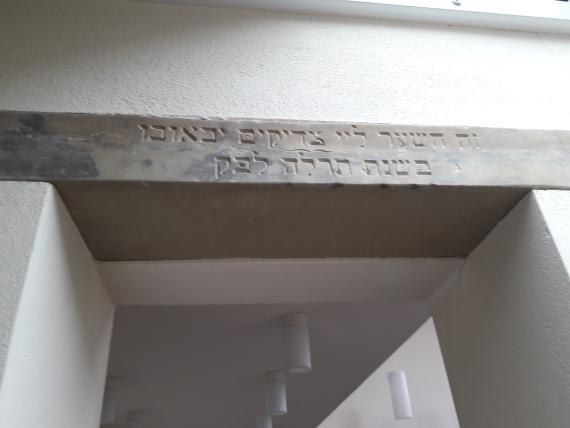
(147, 162)
(33, 123)
(43, 157)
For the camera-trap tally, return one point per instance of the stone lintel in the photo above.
(67, 147)
(148, 188)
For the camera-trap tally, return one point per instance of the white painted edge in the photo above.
(549, 16)
(238, 281)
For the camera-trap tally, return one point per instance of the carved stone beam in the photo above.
(65, 146)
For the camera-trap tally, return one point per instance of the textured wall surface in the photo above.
(132, 57)
(20, 208)
(57, 360)
(370, 405)
(557, 206)
(503, 327)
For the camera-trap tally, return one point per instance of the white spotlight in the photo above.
(110, 401)
(400, 395)
(275, 393)
(264, 421)
(135, 419)
(297, 345)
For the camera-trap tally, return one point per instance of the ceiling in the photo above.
(192, 338)
(201, 366)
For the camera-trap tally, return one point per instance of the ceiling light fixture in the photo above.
(297, 344)
(275, 393)
(400, 395)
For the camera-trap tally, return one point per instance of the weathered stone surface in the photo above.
(54, 147)
(144, 188)
(177, 221)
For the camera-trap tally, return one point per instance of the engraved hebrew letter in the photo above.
(343, 167)
(370, 167)
(422, 167)
(153, 133)
(242, 165)
(211, 135)
(342, 136)
(307, 166)
(388, 169)
(401, 139)
(402, 166)
(297, 137)
(144, 134)
(388, 136)
(327, 162)
(290, 166)
(470, 141)
(352, 136)
(360, 134)
(437, 139)
(222, 165)
(315, 139)
(274, 137)
(181, 134)
(419, 139)
(260, 164)
(246, 136)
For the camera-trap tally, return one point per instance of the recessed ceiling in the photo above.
(201, 366)
(198, 362)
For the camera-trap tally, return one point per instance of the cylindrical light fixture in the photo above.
(297, 344)
(264, 421)
(135, 419)
(400, 395)
(275, 393)
(110, 401)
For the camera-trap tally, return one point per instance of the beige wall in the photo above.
(504, 326)
(134, 57)
(20, 208)
(57, 359)
(370, 405)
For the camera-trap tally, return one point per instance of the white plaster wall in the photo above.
(20, 209)
(57, 360)
(370, 405)
(132, 57)
(556, 206)
(503, 327)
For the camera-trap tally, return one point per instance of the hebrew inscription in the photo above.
(347, 167)
(319, 139)
(180, 133)
(53, 146)
(236, 165)
(349, 152)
